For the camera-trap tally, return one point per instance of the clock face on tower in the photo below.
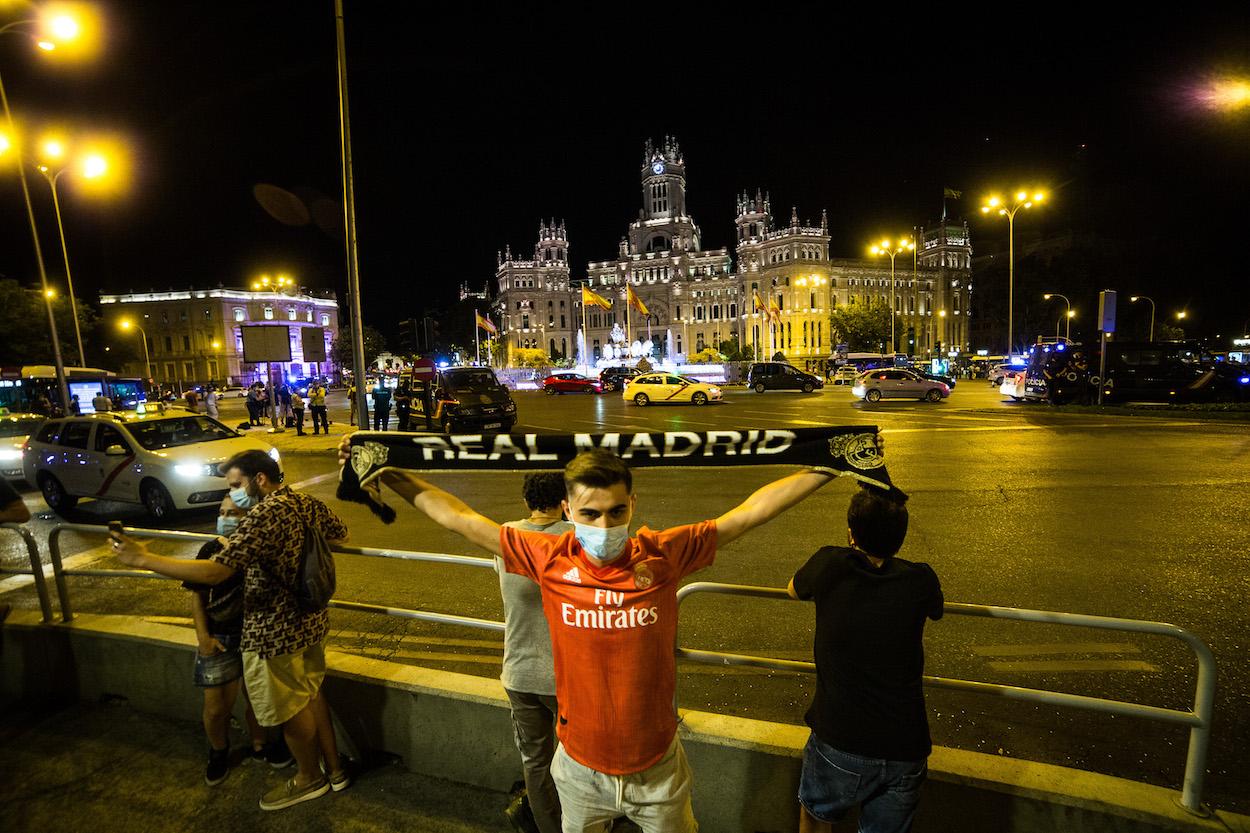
(658, 167)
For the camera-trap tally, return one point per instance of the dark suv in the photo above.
(780, 376)
(467, 399)
(616, 378)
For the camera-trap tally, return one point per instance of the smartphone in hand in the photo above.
(117, 532)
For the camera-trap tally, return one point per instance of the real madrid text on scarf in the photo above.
(841, 450)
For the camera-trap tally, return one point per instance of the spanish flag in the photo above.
(774, 311)
(590, 299)
(485, 324)
(635, 301)
(756, 302)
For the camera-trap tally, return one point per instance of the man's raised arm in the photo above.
(445, 509)
(766, 503)
(769, 501)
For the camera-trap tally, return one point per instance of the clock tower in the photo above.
(663, 224)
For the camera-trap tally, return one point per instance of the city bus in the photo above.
(22, 387)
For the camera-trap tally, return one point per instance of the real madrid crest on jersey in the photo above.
(643, 577)
(858, 450)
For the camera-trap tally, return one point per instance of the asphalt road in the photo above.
(1014, 505)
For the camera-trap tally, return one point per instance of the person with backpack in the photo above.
(281, 541)
(217, 612)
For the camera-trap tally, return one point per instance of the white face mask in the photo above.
(602, 543)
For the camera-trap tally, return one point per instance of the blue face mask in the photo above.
(602, 543)
(241, 498)
(226, 525)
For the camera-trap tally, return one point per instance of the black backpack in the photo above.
(314, 578)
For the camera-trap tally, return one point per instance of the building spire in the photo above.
(824, 220)
(794, 217)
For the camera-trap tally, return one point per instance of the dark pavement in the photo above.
(135, 772)
(1013, 504)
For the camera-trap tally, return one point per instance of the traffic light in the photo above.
(408, 336)
(911, 338)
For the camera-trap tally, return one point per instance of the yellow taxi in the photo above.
(665, 388)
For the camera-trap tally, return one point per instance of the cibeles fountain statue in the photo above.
(619, 348)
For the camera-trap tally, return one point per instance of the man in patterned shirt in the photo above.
(283, 648)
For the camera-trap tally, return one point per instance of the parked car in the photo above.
(570, 383)
(780, 376)
(167, 461)
(466, 399)
(614, 378)
(845, 375)
(898, 383)
(15, 430)
(938, 377)
(664, 388)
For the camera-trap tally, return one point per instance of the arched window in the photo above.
(268, 313)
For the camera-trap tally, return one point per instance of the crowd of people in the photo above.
(590, 616)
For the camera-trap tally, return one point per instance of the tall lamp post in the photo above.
(59, 28)
(1068, 315)
(93, 166)
(1137, 298)
(933, 333)
(885, 248)
(126, 324)
(1022, 200)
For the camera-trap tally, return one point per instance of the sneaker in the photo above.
(520, 816)
(276, 754)
(218, 766)
(340, 780)
(288, 794)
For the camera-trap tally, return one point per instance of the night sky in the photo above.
(470, 126)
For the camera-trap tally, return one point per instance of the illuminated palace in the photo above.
(700, 297)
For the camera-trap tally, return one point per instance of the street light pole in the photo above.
(1137, 298)
(34, 234)
(125, 325)
(349, 216)
(1067, 315)
(73, 306)
(1022, 200)
(884, 248)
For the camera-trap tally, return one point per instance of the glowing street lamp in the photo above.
(1068, 315)
(92, 166)
(126, 324)
(54, 28)
(1022, 199)
(1137, 298)
(933, 331)
(885, 247)
(1180, 315)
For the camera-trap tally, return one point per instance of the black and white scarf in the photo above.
(840, 450)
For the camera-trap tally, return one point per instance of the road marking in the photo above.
(1074, 665)
(313, 481)
(1055, 648)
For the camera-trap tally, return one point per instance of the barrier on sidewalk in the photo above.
(35, 571)
(59, 571)
(1197, 719)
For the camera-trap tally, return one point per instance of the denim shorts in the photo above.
(219, 669)
(834, 781)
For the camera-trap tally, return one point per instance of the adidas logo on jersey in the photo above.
(572, 575)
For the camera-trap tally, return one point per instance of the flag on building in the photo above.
(756, 303)
(774, 311)
(635, 301)
(485, 324)
(951, 193)
(590, 299)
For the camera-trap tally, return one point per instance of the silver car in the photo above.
(168, 460)
(898, 383)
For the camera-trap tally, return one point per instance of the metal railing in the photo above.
(35, 571)
(60, 572)
(1198, 719)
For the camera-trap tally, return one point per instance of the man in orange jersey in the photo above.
(611, 605)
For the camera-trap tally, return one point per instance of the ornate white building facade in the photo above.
(698, 297)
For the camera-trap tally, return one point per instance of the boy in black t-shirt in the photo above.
(870, 732)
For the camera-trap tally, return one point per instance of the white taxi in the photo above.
(166, 460)
(662, 388)
(15, 429)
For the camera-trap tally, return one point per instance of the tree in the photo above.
(27, 340)
(530, 357)
(341, 349)
(863, 327)
(1166, 332)
(733, 351)
(707, 354)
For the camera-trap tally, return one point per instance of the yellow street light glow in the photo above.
(1072, 313)
(216, 345)
(64, 27)
(1181, 314)
(1039, 196)
(1134, 298)
(52, 148)
(1021, 196)
(125, 324)
(874, 250)
(994, 201)
(885, 244)
(1046, 297)
(45, 45)
(49, 293)
(942, 314)
(5, 144)
(1226, 94)
(94, 165)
